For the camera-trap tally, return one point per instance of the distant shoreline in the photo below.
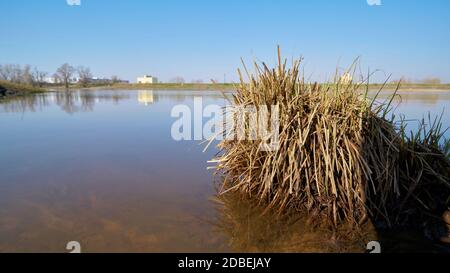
(232, 86)
(159, 86)
(9, 90)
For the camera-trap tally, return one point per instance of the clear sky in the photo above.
(206, 39)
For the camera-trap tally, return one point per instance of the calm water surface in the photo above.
(101, 168)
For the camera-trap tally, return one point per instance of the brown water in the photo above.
(101, 168)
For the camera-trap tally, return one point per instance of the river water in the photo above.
(101, 168)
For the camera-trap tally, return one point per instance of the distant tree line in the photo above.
(23, 75)
(64, 75)
(177, 79)
(430, 80)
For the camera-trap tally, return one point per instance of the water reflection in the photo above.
(249, 228)
(84, 101)
(428, 98)
(111, 178)
(101, 168)
(146, 97)
(70, 102)
(66, 100)
(26, 103)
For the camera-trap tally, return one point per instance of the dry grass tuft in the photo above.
(339, 158)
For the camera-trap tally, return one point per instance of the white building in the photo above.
(50, 80)
(147, 79)
(54, 80)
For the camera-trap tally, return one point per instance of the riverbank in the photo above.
(159, 86)
(8, 89)
(412, 87)
(233, 86)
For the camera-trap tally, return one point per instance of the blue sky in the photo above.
(206, 39)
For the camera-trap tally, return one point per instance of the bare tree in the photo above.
(432, 81)
(10, 72)
(65, 72)
(177, 79)
(38, 77)
(115, 79)
(85, 75)
(26, 76)
(197, 81)
(56, 78)
(16, 73)
(3, 73)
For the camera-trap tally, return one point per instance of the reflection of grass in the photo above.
(340, 158)
(251, 228)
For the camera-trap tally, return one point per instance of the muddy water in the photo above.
(101, 168)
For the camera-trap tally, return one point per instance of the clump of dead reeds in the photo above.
(339, 157)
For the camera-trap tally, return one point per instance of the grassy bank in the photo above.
(234, 86)
(8, 89)
(159, 86)
(412, 86)
(175, 86)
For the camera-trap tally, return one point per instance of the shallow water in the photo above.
(416, 105)
(101, 168)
